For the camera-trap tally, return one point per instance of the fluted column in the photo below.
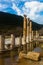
(24, 32)
(30, 31)
(27, 39)
(30, 35)
(27, 30)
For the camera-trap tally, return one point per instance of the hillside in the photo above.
(12, 22)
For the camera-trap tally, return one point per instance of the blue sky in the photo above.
(32, 8)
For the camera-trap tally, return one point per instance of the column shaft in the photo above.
(12, 41)
(24, 32)
(27, 39)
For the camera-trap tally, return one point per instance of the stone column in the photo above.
(12, 41)
(27, 39)
(32, 39)
(24, 32)
(30, 31)
(20, 42)
(2, 41)
(37, 35)
(30, 35)
(27, 30)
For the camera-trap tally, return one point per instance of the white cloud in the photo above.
(5, 0)
(3, 6)
(33, 9)
(24, 0)
(39, 19)
(14, 7)
(34, 6)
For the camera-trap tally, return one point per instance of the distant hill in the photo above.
(14, 23)
(10, 19)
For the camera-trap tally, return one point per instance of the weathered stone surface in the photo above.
(33, 56)
(30, 55)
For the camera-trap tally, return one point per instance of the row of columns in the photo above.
(27, 30)
(28, 34)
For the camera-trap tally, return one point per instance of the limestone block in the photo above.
(33, 56)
